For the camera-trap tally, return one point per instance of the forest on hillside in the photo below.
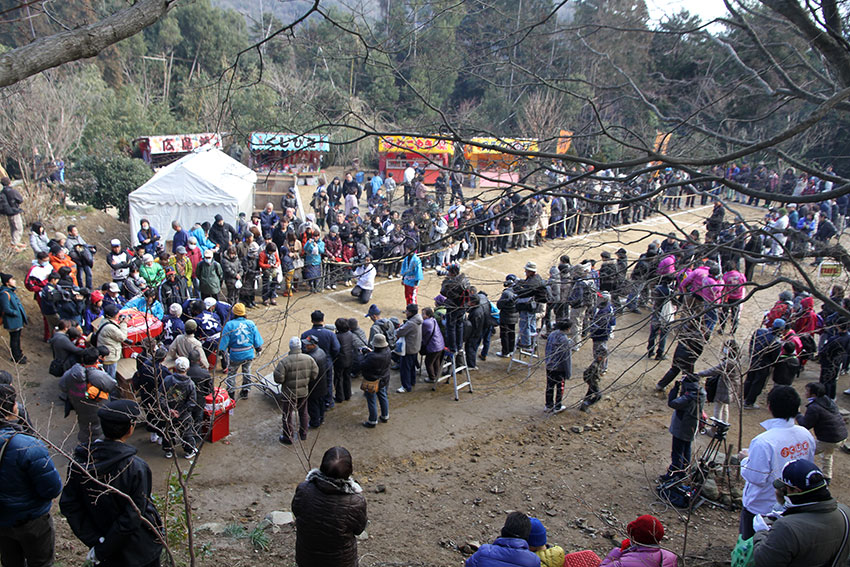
(600, 69)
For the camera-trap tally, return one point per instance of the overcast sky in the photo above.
(705, 9)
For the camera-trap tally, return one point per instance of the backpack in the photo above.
(96, 334)
(466, 297)
(5, 206)
(388, 329)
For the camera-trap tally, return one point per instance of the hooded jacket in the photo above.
(94, 513)
(14, 316)
(29, 480)
(823, 418)
(329, 514)
(640, 556)
(411, 330)
(687, 398)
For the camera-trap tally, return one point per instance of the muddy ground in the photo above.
(443, 473)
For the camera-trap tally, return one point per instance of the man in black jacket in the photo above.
(318, 390)
(531, 293)
(508, 317)
(222, 233)
(455, 288)
(475, 322)
(376, 366)
(119, 533)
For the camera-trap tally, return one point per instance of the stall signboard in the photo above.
(270, 141)
(181, 143)
(509, 144)
(830, 269)
(565, 140)
(392, 144)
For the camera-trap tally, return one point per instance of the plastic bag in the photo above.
(742, 555)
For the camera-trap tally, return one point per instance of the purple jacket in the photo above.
(666, 266)
(640, 556)
(432, 337)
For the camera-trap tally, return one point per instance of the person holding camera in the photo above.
(688, 398)
(531, 294)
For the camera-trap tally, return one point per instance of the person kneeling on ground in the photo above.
(509, 549)
(641, 549)
(812, 531)
(549, 556)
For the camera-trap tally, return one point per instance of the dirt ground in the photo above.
(443, 473)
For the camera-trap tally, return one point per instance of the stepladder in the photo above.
(525, 355)
(453, 370)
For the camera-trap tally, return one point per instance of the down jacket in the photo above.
(412, 333)
(504, 552)
(295, 373)
(688, 404)
(640, 556)
(28, 477)
(376, 366)
(329, 514)
(432, 337)
(822, 416)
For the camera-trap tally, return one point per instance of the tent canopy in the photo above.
(193, 189)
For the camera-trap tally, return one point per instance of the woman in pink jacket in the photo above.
(641, 549)
(666, 266)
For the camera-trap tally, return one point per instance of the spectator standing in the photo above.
(120, 527)
(508, 317)
(727, 378)
(602, 325)
(10, 205)
(455, 289)
(210, 276)
(330, 512)
(269, 263)
(762, 462)
(592, 375)
(29, 482)
(233, 269)
(327, 341)
(39, 242)
(822, 417)
(411, 332)
(180, 238)
(241, 340)
(318, 390)
(687, 398)
(14, 316)
(118, 261)
(411, 274)
(178, 399)
(559, 366)
(663, 315)
(82, 254)
(86, 388)
(296, 373)
(111, 333)
(764, 351)
(433, 345)
(531, 295)
(344, 362)
(376, 368)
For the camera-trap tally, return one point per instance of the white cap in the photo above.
(115, 242)
(295, 344)
(113, 287)
(210, 302)
(181, 364)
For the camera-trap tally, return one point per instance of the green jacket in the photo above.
(14, 316)
(209, 277)
(296, 373)
(153, 275)
(805, 536)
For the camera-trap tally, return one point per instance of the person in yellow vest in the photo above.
(550, 556)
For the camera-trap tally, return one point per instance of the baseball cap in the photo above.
(209, 302)
(181, 250)
(113, 287)
(181, 364)
(373, 310)
(115, 242)
(802, 474)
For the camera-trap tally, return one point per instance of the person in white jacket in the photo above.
(761, 463)
(777, 240)
(365, 274)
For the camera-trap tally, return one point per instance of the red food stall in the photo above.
(139, 326)
(397, 153)
(288, 153)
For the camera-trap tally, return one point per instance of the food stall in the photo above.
(397, 153)
(159, 151)
(493, 167)
(273, 152)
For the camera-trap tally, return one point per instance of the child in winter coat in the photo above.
(787, 366)
(642, 549)
(688, 398)
(549, 556)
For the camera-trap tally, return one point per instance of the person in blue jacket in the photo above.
(240, 339)
(29, 482)
(510, 549)
(14, 316)
(148, 236)
(411, 274)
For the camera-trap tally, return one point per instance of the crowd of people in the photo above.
(201, 286)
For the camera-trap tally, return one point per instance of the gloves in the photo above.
(92, 558)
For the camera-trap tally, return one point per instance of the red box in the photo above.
(220, 427)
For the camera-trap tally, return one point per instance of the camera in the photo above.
(720, 427)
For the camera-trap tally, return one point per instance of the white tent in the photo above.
(193, 189)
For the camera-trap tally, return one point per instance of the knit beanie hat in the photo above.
(646, 530)
(537, 535)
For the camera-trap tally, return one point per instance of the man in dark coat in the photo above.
(531, 294)
(765, 349)
(222, 233)
(328, 342)
(508, 317)
(318, 390)
(114, 530)
(474, 332)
